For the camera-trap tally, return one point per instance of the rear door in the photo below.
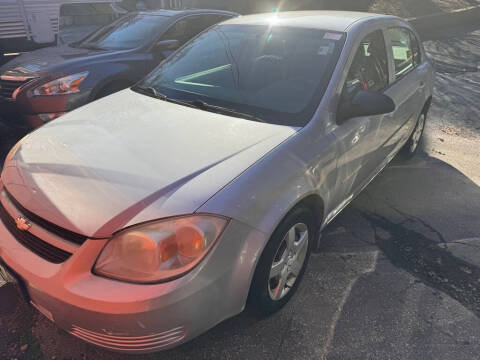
(408, 79)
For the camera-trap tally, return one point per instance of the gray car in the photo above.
(143, 219)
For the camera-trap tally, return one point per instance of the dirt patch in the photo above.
(451, 130)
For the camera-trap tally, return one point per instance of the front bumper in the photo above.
(138, 318)
(9, 112)
(31, 113)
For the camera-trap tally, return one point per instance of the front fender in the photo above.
(261, 197)
(104, 75)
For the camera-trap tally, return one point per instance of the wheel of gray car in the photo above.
(283, 262)
(411, 146)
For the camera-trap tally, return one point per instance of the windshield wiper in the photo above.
(148, 90)
(151, 91)
(200, 104)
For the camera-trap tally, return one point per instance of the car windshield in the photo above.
(276, 74)
(129, 32)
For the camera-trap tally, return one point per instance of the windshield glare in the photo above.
(127, 33)
(276, 73)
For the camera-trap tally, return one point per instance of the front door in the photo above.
(358, 137)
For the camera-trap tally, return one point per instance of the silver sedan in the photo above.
(145, 218)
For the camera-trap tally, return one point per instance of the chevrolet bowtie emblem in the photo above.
(22, 223)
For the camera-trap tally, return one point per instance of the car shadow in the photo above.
(416, 210)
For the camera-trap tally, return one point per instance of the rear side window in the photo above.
(406, 51)
(187, 28)
(417, 54)
(369, 70)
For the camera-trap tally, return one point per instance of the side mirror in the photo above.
(366, 103)
(167, 45)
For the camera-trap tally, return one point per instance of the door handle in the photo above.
(422, 84)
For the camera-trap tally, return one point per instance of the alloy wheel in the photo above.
(288, 261)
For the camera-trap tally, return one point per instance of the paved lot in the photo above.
(399, 272)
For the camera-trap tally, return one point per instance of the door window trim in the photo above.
(414, 37)
(393, 78)
(350, 61)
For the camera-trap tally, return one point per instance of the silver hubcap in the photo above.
(288, 261)
(417, 133)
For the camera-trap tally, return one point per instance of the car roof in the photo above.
(321, 19)
(185, 12)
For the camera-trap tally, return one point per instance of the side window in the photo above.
(403, 51)
(187, 28)
(369, 70)
(177, 31)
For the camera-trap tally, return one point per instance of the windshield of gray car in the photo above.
(128, 32)
(277, 74)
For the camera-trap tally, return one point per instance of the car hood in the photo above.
(130, 158)
(44, 60)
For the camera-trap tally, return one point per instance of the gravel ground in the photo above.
(415, 8)
(402, 8)
(399, 272)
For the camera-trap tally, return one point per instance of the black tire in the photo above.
(260, 299)
(411, 146)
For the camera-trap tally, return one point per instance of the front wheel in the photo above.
(411, 146)
(283, 263)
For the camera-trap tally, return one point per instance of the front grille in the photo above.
(7, 87)
(32, 242)
(47, 225)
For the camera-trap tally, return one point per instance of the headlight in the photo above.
(66, 85)
(159, 251)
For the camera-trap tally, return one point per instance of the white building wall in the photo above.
(14, 15)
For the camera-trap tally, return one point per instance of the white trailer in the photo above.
(27, 24)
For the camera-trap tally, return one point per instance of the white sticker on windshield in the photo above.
(332, 36)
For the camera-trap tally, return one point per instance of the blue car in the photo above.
(40, 86)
